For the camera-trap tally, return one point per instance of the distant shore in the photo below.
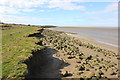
(85, 27)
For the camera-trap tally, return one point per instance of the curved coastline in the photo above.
(95, 42)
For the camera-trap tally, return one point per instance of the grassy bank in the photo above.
(16, 48)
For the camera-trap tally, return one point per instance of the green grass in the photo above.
(17, 47)
(22, 25)
(0, 53)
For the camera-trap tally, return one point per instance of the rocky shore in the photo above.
(84, 59)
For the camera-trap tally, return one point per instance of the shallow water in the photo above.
(107, 36)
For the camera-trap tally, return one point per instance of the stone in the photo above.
(78, 61)
(79, 73)
(65, 74)
(81, 68)
(70, 57)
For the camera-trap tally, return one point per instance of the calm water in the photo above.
(107, 36)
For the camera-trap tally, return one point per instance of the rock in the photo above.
(70, 57)
(100, 67)
(103, 76)
(87, 69)
(79, 73)
(83, 61)
(113, 73)
(65, 74)
(57, 55)
(44, 43)
(64, 54)
(101, 59)
(81, 68)
(99, 73)
(89, 57)
(81, 54)
(68, 53)
(80, 58)
(78, 61)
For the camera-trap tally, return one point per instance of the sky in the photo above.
(91, 13)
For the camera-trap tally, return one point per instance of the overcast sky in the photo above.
(60, 12)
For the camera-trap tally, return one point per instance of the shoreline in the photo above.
(75, 50)
(108, 43)
(88, 27)
(101, 44)
(94, 42)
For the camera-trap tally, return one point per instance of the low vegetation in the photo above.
(16, 48)
(21, 25)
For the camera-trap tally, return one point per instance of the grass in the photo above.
(0, 54)
(16, 48)
(21, 25)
